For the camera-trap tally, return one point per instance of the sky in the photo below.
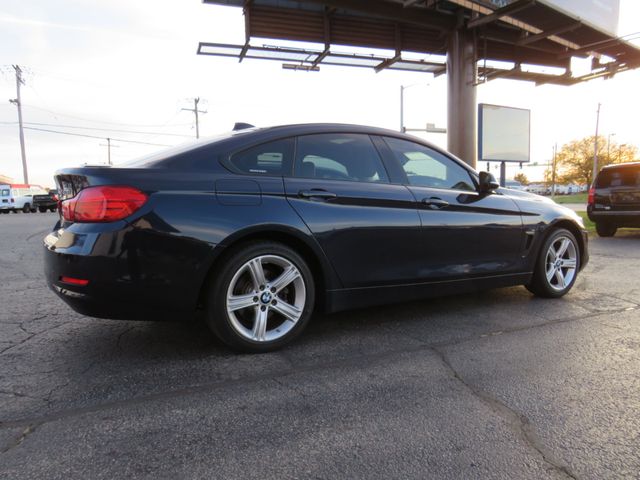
(132, 66)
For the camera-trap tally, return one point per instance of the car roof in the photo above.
(259, 134)
(621, 165)
(329, 127)
(239, 139)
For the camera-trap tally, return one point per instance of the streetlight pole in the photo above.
(402, 89)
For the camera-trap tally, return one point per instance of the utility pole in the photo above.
(595, 147)
(16, 101)
(109, 147)
(196, 111)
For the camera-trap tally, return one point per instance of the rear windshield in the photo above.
(156, 159)
(619, 177)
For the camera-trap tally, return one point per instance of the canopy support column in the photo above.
(461, 96)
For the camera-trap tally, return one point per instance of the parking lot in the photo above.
(492, 385)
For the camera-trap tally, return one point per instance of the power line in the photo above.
(95, 136)
(102, 129)
(57, 114)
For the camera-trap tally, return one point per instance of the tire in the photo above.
(256, 323)
(26, 208)
(42, 209)
(53, 209)
(548, 263)
(6, 211)
(606, 229)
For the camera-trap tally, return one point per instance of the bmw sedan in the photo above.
(260, 227)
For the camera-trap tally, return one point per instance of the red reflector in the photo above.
(592, 196)
(74, 281)
(103, 204)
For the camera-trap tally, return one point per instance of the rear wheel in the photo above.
(557, 267)
(261, 297)
(26, 208)
(606, 229)
(42, 209)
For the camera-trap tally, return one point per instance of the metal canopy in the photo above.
(520, 34)
(308, 59)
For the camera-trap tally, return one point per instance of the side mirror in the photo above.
(488, 182)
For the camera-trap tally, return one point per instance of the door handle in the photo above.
(435, 203)
(316, 193)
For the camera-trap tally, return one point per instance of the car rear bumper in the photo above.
(629, 218)
(126, 276)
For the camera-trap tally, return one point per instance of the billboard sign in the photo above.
(600, 14)
(503, 134)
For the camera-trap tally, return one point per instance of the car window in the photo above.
(619, 177)
(339, 156)
(428, 168)
(273, 158)
(5, 193)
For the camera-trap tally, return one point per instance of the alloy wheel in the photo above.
(265, 298)
(561, 263)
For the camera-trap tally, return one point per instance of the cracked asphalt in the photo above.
(492, 385)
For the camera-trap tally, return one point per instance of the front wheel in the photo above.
(261, 297)
(557, 267)
(42, 209)
(606, 229)
(26, 208)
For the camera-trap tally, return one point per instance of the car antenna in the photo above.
(242, 126)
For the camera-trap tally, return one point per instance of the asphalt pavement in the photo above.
(492, 385)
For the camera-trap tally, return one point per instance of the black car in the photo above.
(614, 198)
(260, 227)
(46, 202)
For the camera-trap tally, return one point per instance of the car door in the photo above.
(465, 233)
(368, 227)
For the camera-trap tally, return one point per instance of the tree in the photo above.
(522, 178)
(574, 161)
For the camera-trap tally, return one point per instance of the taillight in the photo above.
(591, 200)
(13, 200)
(103, 204)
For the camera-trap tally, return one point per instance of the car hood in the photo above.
(517, 194)
(532, 204)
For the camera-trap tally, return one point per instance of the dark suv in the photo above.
(614, 198)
